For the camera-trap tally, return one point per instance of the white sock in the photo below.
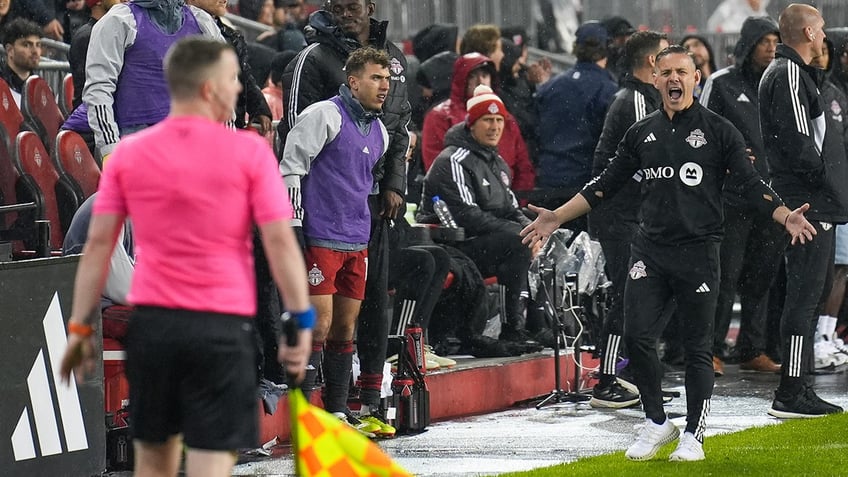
(822, 327)
(365, 410)
(831, 327)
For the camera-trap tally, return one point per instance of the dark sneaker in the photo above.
(517, 335)
(805, 404)
(614, 396)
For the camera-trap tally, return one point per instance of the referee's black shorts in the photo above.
(192, 373)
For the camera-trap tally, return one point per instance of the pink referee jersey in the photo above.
(193, 189)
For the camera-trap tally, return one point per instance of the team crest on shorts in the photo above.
(696, 138)
(638, 271)
(315, 276)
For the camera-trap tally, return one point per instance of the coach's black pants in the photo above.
(806, 273)
(690, 275)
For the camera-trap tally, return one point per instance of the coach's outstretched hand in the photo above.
(798, 227)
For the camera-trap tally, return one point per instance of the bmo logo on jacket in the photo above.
(691, 174)
(650, 173)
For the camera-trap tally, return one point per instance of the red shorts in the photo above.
(332, 272)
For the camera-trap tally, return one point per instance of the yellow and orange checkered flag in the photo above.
(323, 446)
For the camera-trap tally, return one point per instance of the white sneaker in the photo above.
(651, 438)
(441, 360)
(826, 355)
(688, 449)
(839, 344)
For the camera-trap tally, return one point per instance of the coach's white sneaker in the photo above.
(651, 438)
(688, 449)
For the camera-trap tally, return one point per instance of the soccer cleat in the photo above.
(614, 396)
(367, 429)
(651, 438)
(385, 430)
(441, 360)
(805, 404)
(688, 449)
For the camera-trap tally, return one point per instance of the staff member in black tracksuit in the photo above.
(614, 222)
(753, 245)
(806, 152)
(685, 154)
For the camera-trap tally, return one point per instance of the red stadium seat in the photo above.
(11, 118)
(40, 183)
(40, 110)
(73, 160)
(66, 95)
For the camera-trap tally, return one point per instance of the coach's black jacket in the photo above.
(804, 145)
(684, 163)
(618, 218)
(316, 74)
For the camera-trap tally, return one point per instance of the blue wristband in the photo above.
(305, 319)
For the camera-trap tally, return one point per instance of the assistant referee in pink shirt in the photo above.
(194, 189)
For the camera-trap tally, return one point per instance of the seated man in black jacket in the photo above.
(474, 181)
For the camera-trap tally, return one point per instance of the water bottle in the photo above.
(441, 209)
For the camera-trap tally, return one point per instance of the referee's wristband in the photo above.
(305, 319)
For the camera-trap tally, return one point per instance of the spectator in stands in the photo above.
(702, 51)
(484, 39)
(806, 153)
(73, 15)
(840, 58)
(121, 267)
(619, 30)
(125, 87)
(22, 41)
(435, 46)
(190, 346)
(273, 92)
(287, 34)
(828, 350)
(572, 106)
(752, 246)
(251, 107)
(332, 209)
(614, 222)
(316, 75)
(730, 15)
(674, 255)
(517, 92)
(260, 11)
(475, 182)
(297, 13)
(469, 71)
(37, 11)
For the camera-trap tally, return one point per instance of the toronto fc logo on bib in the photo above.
(315, 276)
(696, 139)
(638, 271)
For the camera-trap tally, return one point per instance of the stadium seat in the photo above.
(40, 183)
(11, 118)
(40, 110)
(8, 178)
(66, 95)
(74, 161)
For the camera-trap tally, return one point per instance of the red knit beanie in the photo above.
(484, 102)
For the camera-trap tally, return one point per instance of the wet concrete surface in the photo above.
(525, 438)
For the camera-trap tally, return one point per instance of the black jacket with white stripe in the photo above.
(684, 163)
(317, 72)
(474, 181)
(617, 218)
(804, 145)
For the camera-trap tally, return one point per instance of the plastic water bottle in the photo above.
(442, 211)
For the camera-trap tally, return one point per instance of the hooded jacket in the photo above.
(434, 39)
(316, 74)
(838, 73)
(517, 95)
(805, 147)
(617, 218)
(732, 93)
(572, 107)
(474, 181)
(443, 116)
